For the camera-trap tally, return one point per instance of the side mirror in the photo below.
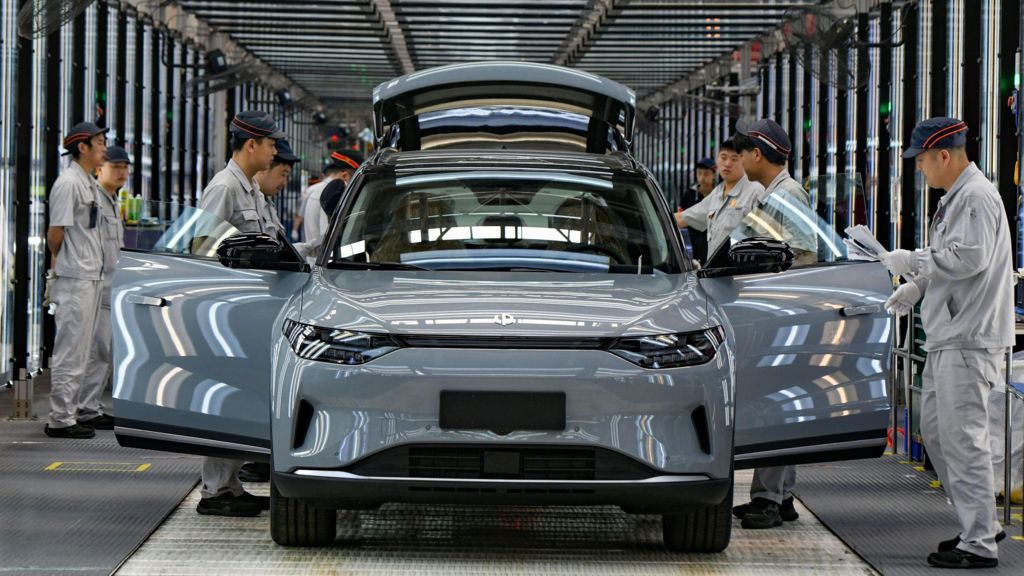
(249, 250)
(756, 255)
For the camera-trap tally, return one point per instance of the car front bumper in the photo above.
(665, 494)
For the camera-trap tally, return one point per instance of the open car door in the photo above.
(191, 340)
(814, 342)
(504, 104)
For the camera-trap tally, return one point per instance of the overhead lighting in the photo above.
(319, 117)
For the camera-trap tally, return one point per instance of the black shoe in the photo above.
(228, 505)
(74, 431)
(762, 514)
(262, 501)
(254, 472)
(947, 545)
(957, 558)
(787, 510)
(101, 422)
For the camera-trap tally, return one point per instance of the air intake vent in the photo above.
(303, 418)
(700, 426)
(501, 462)
(525, 464)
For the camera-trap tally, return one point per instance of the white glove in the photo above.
(51, 276)
(903, 299)
(900, 262)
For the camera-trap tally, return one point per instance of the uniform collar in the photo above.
(741, 185)
(775, 183)
(81, 174)
(961, 181)
(236, 171)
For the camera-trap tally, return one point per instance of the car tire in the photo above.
(704, 529)
(295, 523)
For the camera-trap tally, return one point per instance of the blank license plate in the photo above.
(502, 412)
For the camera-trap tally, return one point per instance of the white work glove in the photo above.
(50, 277)
(903, 299)
(900, 262)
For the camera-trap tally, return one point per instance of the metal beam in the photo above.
(722, 66)
(396, 36)
(584, 29)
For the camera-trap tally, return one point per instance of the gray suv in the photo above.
(503, 314)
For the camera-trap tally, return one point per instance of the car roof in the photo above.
(436, 161)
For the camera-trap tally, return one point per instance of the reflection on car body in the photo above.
(509, 326)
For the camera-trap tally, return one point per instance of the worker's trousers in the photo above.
(775, 483)
(78, 305)
(954, 423)
(220, 477)
(97, 371)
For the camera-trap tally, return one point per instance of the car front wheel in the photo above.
(295, 523)
(703, 529)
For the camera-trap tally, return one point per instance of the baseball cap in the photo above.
(255, 124)
(936, 133)
(81, 132)
(769, 138)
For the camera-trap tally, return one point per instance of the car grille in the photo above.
(501, 462)
(532, 464)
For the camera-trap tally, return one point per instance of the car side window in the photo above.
(809, 219)
(170, 228)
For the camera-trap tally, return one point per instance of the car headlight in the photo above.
(670, 350)
(336, 345)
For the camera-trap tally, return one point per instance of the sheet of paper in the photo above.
(865, 241)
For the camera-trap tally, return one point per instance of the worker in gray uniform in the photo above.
(724, 208)
(315, 220)
(76, 239)
(965, 277)
(764, 150)
(234, 196)
(270, 183)
(111, 176)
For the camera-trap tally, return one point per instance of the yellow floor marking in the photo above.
(919, 468)
(98, 467)
(1021, 538)
(935, 483)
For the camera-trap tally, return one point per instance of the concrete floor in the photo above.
(448, 540)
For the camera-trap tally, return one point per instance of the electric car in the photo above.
(503, 314)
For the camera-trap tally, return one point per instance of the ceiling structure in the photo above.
(340, 49)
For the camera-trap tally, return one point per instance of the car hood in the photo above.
(504, 304)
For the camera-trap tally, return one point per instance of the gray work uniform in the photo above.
(314, 223)
(271, 221)
(97, 374)
(235, 199)
(74, 205)
(238, 201)
(966, 276)
(776, 483)
(786, 207)
(720, 212)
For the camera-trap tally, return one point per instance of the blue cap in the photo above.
(769, 138)
(117, 155)
(706, 163)
(935, 133)
(284, 152)
(255, 124)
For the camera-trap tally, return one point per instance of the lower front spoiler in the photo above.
(666, 494)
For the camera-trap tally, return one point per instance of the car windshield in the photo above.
(504, 220)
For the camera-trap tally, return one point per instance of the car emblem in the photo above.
(504, 319)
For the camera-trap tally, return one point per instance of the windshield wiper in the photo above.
(348, 264)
